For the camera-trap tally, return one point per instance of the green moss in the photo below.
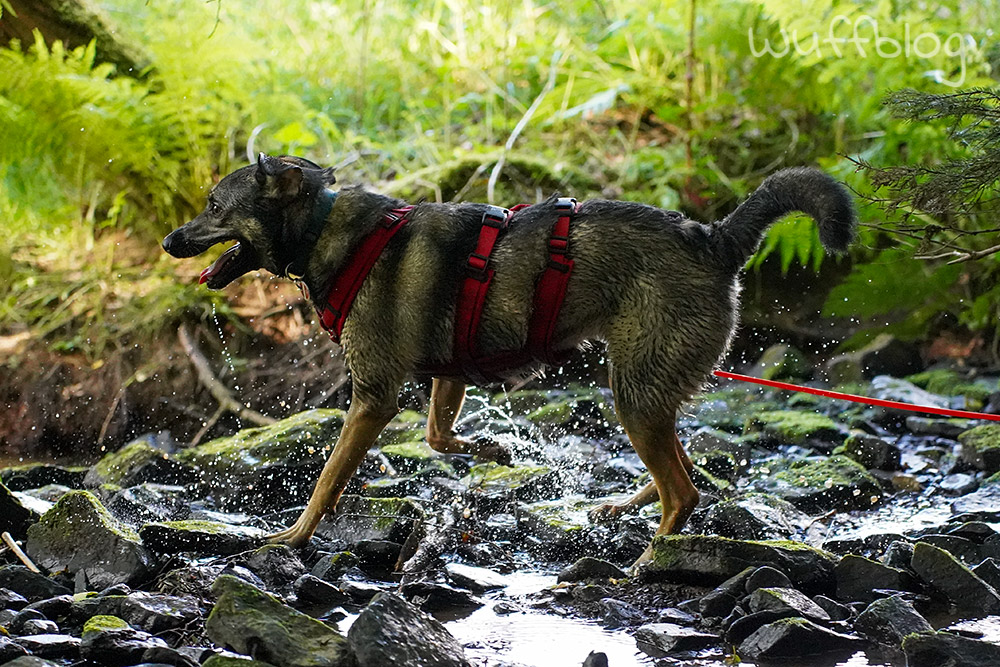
(113, 468)
(791, 426)
(949, 383)
(552, 413)
(96, 624)
(836, 470)
(417, 450)
(78, 511)
(494, 474)
(198, 525)
(981, 438)
(294, 439)
(408, 426)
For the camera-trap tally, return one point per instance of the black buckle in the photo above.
(558, 245)
(558, 266)
(495, 216)
(474, 271)
(566, 204)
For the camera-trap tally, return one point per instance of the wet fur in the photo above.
(660, 290)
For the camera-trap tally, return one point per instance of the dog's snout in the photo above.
(170, 242)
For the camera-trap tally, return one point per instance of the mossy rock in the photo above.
(37, 475)
(268, 467)
(360, 518)
(408, 426)
(410, 456)
(820, 485)
(782, 362)
(135, 463)
(792, 427)
(79, 535)
(559, 527)
(252, 622)
(523, 482)
(946, 382)
(15, 518)
(98, 624)
(981, 447)
(227, 661)
(756, 516)
(708, 560)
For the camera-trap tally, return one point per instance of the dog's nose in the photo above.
(168, 242)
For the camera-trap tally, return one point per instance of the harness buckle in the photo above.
(477, 265)
(495, 216)
(561, 267)
(558, 245)
(566, 204)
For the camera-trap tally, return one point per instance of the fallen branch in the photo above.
(23, 557)
(219, 391)
(432, 541)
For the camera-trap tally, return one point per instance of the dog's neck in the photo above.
(296, 269)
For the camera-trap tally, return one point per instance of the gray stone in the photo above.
(136, 463)
(313, 590)
(782, 361)
(36, 626)
(11, 652)
(277, 565)
(80, 536)
(888, 355)
(893, 389)
(898, 554)
(942, 649)
(786, 600)
(109, 641)
(436, 596)
(476, 579)
(744, 626)
(872, 451)
(755, 517)
(981, 447)
(820, 485)
(390, 632)
(524, 483)
(589, 567)
(31, 585)
(209, 537)
(156, 613)
(704, 559)
(37, 475)
(837, 611)
(946, 428)
(948, 577)
(889, 620)
(767, 577)
(794, 638)
(54, 646)
(659, 639)
(255, 623)
(331, 567)
(969, 552)
(858, 578)
(149, 502)
(618, 613)
(12, 600)
(983, 504)
(989, 571)
(958, 484)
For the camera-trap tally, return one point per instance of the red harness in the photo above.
(467, 361)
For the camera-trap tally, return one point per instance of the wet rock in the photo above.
(794, 638)
(360, 590)
(359, 518)
(108, 640)
(268, 467)
(409, 457)
(524, 483)
(659, 639)
(596, 660)
(756, 516)
(946, 428)
(958, 484)
(476, 579)
(254, 623)
(898, 554)
(79, 535)
(12, 600)
(989, 571)
(436, 596)
(146, 503)
(277, 565)
(894, 389)
(791, 427)
(721, 601)
(981, 447)
(859, 579)
(707, 440)
(704, 559)
(164, 656)
(227, 661)
(157, 613)
(10, 651)
(15, 518)
(31, 585)
(618, 613)
(844, 369)
(782, 362)
(786, 600)
(377, 556)
(331, 567)
(889, 620)
(313, 590)
(821, 485)
(36, 626)
(836, 611)
(590, 593)
(557, 528)
(19, 619)
(57, 647)
(391, 632)
(589, 567)
(983, 504)
(943, 649)
(741, 625)
(135, 463)
(209, 537)
(872, 451)
(963, 549)
(948, 577)
(767, 577)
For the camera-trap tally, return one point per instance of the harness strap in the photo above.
(347, 283)
(551, 288)
(472, 295)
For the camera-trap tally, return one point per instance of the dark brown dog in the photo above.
(660, 290)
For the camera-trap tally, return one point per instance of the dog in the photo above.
(660, 290)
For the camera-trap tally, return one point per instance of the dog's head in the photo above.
(263, 207)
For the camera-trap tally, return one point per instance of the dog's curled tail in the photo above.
(797, 189)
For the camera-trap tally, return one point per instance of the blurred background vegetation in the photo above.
(418, 99)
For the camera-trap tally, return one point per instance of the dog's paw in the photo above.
(485, 449)
(609, 512)
(294, 537)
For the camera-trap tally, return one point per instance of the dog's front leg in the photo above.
(447, 398)
(362, 426)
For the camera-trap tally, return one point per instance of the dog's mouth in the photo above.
(237, 260)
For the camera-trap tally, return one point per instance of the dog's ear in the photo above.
(281, 178)
(327, 176)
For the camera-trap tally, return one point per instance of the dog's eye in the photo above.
(214, 208)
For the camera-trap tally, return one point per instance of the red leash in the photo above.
(858, 399)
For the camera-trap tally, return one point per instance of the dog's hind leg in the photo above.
(447, 397)
(362, 426)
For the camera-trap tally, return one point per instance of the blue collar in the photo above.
(317, 221)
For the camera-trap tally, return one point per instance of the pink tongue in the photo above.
(218, 264)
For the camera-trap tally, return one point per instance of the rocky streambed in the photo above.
(828, 533)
